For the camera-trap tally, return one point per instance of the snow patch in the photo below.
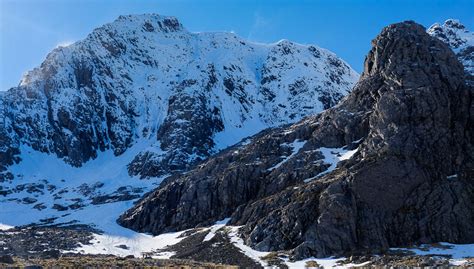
(458, 252)
(295, 146)
(248, 251)
(333, 156)
(323, 263)
(4, 227)
(213, 229)
(135, 245)
(452, 176)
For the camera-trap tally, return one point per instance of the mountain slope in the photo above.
(460, 39)
(391, 165)
(145, 77)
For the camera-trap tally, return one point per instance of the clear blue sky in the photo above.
(29, 29)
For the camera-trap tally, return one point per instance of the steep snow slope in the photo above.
(146, 77)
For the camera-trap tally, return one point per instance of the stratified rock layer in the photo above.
(409, 177)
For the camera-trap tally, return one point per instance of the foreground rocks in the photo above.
(410, 180)
(197, 250)
(108, 261)
(94, 261)
(217, 249)
(43, 242)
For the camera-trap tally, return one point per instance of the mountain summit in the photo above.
(146, 78)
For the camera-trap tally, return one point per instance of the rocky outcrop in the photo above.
(404, 142)
(146, 78)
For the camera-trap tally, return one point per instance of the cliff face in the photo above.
(146, 77)
(391, 165)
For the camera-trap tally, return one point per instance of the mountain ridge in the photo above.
(134, 78)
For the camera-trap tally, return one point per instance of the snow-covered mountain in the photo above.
(144, 97)
(459, 38)
(145, 77)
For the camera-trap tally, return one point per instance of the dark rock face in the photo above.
(410, 180)
(187, 130)
(8, 145)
